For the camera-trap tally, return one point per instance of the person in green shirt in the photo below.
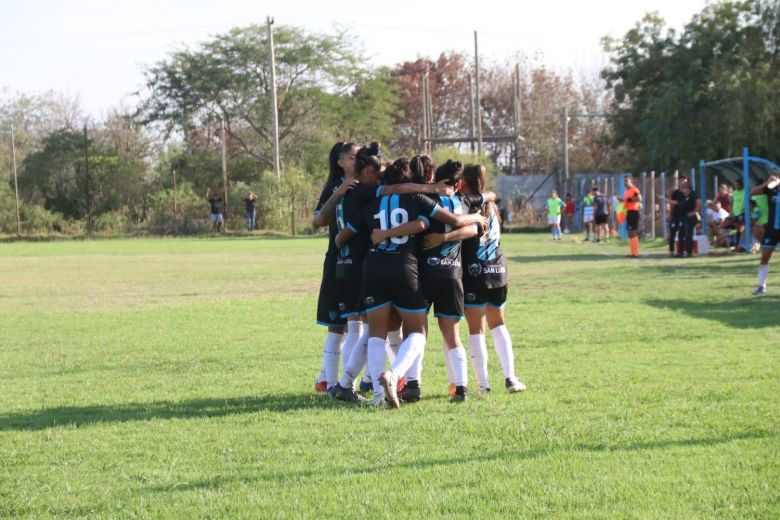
(738, 212)
(587, 214)
(554, 206)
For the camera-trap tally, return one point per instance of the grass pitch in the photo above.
(173, 378)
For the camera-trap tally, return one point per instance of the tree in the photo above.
(705, 93)
(228, 79)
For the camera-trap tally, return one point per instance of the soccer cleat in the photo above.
(514, 385)
(389, 382)
(459, 396)
(347, 395)
(366, 386)
(759, 291)
(483, 391)
(321, 387)
(451, 389)
(409, 394)
(400, 384)
(378, 401)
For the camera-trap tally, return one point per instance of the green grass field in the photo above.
(173, 378)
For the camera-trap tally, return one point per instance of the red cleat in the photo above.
(321, 387)
(401, 384)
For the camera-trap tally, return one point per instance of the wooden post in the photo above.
(274, 108)
(471, 113)
(292, 211)
(652, 199)
(16, 182)
(224, 177)
(88, 181)
(174, 204)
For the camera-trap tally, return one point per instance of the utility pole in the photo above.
(16, 182)
(479, 104)
(174, 203)
(224, 173)
(274, 110)
(88, 181)
(565, 166)
(472, 119)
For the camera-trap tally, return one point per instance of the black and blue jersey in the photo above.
(390, 211)
(350, 257)
(444, 261)
(333, 229)
(774, 208)
(484, 258)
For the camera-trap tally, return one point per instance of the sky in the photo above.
(98, 49)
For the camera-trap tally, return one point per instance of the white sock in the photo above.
(354, 330)
(479, 359)
(459, 366)
(503, 344)
(411, 348)
(356, 361)
(331, 352)
(415, 371)
(376, 361)
(448, 363)
(394, 340)
(763, 272)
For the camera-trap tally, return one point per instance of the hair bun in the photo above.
(374, 148)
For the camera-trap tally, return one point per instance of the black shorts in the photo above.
(632, 220)
(328, 302)
(350, 293)
(445, 295)
(601, 220)
(477, 295)
(391, 281)
(771, 237)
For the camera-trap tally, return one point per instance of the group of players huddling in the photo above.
(404, 237)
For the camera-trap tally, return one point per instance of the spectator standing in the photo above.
(600, 214)
(689, 209)
(250, 201)
(676, 217)
(215, 207)
(569, 224)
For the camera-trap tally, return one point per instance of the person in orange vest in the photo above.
(632, 200)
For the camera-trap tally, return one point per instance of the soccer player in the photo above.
(442, 280)
(554, 206)
(341, 162)
(587, 213)
(485, 284)
(390, 276)
(423, 169)
(632, 200)
(368, 169)
(770, 188)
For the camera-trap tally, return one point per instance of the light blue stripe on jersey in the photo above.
(425, 220)
(394, 201)
(383, 209)
(492, 245)
(340, 224)
(435, 210)
(352, 228)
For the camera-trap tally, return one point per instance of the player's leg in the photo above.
(474, 311)
(502, 341)
(768, 246)
(328, 315)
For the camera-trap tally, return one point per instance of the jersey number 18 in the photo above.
(398, 216)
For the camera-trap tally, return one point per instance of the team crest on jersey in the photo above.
(369, 300)
(434, 261)
(470, 296)
(333, 315)
(475, 270)
(342, 307)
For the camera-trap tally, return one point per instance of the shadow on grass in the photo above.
(503, 456)
(678, 443)
(744, 313)
(573, 257)
(192, 409)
